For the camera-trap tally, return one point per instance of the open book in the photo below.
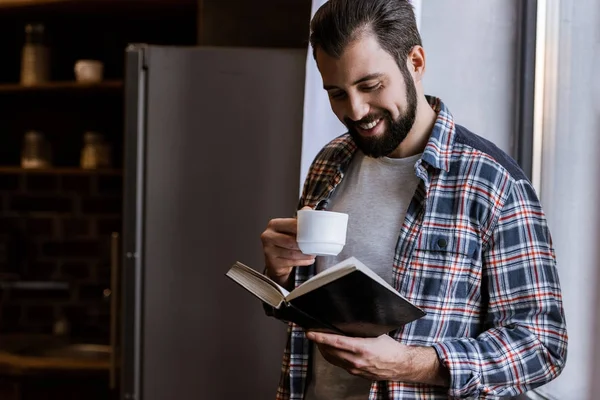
(348, 299)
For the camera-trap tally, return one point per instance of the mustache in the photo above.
(367, 120)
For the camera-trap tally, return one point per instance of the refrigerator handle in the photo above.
(114, 299)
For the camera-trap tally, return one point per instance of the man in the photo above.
(443, 215)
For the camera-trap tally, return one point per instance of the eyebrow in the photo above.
(363, 79)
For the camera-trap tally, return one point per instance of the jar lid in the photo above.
(33, 134)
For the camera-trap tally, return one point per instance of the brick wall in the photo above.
(57, 227)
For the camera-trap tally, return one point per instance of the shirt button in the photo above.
(442, 243)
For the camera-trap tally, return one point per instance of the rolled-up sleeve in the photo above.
(524, 342)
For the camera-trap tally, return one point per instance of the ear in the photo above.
(416, 63)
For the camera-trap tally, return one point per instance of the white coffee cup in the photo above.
(321, 232)
(89, 71)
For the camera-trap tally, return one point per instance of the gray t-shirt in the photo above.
(376, 194)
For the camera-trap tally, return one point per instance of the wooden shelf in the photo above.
(59, 171)
(27, 3)
(93, 5)
(66, 86)
(30, 3)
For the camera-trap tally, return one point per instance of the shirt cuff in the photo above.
(465, 380)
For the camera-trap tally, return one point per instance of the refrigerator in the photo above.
(212, 153)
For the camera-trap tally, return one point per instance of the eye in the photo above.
(371, 88)
(337, 95)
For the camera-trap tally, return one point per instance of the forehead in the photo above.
(361, 57)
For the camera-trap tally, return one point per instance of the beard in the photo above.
(398, 129)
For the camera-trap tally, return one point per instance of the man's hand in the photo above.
(382, 358)
(281, 249)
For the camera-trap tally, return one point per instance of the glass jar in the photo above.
(35, 56)
(96, 153)
(36, 152)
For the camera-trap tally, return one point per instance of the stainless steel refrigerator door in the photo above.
(213, 153)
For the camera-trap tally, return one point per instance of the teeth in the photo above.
(369, 125)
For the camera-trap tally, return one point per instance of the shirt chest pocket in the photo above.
(445, 270)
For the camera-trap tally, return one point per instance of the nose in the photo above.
(357, 108)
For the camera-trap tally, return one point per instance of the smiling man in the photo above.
(447, 218)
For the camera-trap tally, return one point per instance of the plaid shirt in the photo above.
(475, 253)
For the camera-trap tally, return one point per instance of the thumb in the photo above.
(303, 208)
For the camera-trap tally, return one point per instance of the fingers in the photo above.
(336, 351)
(280, 266)
(283, 225)
(279, 239)
(338, 357)
(281, 249)
(336, 341)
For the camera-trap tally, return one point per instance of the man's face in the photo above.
(370, 94)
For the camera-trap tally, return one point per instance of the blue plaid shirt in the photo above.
(475, 253)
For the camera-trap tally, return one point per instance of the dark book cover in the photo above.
(290, 313)
(352, 305)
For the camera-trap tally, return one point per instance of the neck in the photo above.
(418, 136)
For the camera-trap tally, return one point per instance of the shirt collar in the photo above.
(438, 150)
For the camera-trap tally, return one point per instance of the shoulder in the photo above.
(337, 151)
(488, 179)
(471, 147)
(332, 160)
(501, 193)
(479, 163)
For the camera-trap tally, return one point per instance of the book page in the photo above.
(329, 275)
(337, 271)
(258, 284)
(370, 273)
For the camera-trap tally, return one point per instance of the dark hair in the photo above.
(338, 22)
